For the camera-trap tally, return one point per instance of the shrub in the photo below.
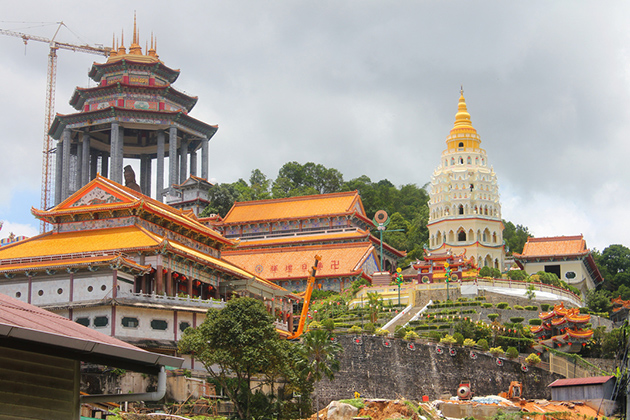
(355, 329)
(518, 307)
(485, 272)
(459, 338)
(480, 298)
(544, 307)
(411, 336)
(328, 324)
(535, 321)
(315, 325)
(400, 331)
(502, 305)
(511, 353)
(517, 319)
(483, 344)
(435, 336)
(517, 275)
(381, 332)
(486, 305)
(448, 339)
(369, 328)
(342, 325)
(531, 308)
(492, 317)
(469, 342)
(496, 351)
(532, 359)
(355, 402)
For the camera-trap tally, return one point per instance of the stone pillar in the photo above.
(169, 282)
(159, 282)
(78, 174)
(58, 172)
(183, 166)
(193, 163)
(145, 175)
(85, 162)
(172, 157)
(116, 148)
(93, 166)
(105, 164)
(65, 172)
(189, 286)
(159, 181)
(205, 156)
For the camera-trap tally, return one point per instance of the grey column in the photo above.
(172, 157)
(58, 173)
(65, 174)
(116, 170)
(77, 168)
(159, 182)
(205, 155)
(179, 158)
(105, 165)
(193, 163)
(183, 166)
(85, 163)
(93, 165)
(145, 175)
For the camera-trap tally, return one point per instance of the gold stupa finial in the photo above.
(121, 49)
(462, 118)
(112, 52)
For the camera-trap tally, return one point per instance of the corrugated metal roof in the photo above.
(593, 380)
(25, 322)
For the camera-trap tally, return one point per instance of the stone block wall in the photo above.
(375, 370)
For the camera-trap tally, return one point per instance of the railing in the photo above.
(519, 284)
(280, 325)
(164, 299)
(61, 257)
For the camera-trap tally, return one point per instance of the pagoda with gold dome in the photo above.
(464, 207)
(133, 113)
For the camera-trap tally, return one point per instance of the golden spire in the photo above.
(462, 118)
(135, 48)
(151, 51)
(112, 52)
(121, 49)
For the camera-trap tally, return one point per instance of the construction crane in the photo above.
(48, 150)
(310, 283)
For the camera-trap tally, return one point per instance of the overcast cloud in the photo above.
(366, 87)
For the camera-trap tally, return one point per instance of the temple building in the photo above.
(433, 267)
(278, 238)
(134, 112)
(132, 267)
(464, 206)
(565, 256)
(562, 329)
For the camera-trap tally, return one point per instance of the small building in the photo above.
(433, 267)
(596, 391)
(565, 256)
(41, 355)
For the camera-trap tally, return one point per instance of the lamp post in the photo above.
(399, 280)
(448, 277)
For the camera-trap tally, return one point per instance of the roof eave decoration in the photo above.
(116, 113)
(99, 69)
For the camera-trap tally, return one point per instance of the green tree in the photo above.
(375, 304)
(515, 237)
(259, 185)
(616, 258)
(598, 300)
(222, 198)
(239, 341)
(295, 180)
(322, 354)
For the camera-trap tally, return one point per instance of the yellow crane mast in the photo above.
(48, 150)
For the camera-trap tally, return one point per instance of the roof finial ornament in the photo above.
(461, 89)
(135, 35)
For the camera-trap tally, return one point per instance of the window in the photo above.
(159, 324)
(555, 269)
(569, 275)
(83, 321)
(59, 291)
(183, 326)
(90, 288)
(103, 287)
(461, 236)
(18, 294)
(461, 144)
(41, 293)
(101, 321)
(130, 322)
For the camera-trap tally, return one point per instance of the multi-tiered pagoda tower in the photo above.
(133, 113)
(464, 207)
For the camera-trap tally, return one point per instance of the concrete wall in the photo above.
(374, 370)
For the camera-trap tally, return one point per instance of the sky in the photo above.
(365, 87)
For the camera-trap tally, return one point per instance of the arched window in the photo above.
(452, 161)
(461, 160)
(461, 236)
(451, 236)
(461, 208)
(461, 144)
(494, 238)
(468, 160)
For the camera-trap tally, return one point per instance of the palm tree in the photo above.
(322, 354)
(375, 303)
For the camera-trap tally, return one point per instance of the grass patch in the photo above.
(355, 402)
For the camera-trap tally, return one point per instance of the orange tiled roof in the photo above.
(114, 239)
(303, 239)
(121, 198)
(295, 208)
(555, 246)
(295, 263)
(54, 264)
